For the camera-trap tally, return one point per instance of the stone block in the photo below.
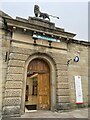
(63, 92)
(14, 56)
(20, 50)
(24, 38)
(41, 23)
(63, 106)
(11, 110)
(61, 67)
(62, 45)
(15, 70)
(16, 77)
(62, 73)
(62, 85)
(11, 101)
(63, 99)
(60, 61)
(61, 79)
(13, 93)
(16, 63)
(13, 84)
(60, 58)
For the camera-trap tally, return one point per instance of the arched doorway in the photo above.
(38, 85)
(51, 63)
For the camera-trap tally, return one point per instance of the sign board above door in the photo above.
(45, 38)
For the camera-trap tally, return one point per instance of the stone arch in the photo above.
(52, 66)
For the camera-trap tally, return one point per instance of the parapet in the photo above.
(41, 22)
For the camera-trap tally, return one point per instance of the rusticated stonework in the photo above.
(19, 49)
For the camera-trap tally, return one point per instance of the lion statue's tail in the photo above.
(54, 16)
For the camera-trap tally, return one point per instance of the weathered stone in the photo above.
(11, 101)
(13, 92)
(21, 47)
(60, 58)
(16, 63)
(14, 84)
(78, 68)
(25, 38)
(11, 110)
(15, 77)
(63, 99)
(63, 92)
(63, 106)
(61, 45)
(61, 67)
(20, 50)
(41, 22)
(62, 85)
(61, 79)
(18, 56)
(62, 73)
(15, 70)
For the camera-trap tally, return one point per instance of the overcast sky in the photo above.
(73, 15)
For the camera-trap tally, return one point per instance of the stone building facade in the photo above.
(19, 48)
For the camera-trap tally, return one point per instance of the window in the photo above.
(34, 91)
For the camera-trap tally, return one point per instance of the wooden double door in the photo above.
(41, 68)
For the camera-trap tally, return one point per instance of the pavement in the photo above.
(77, 113)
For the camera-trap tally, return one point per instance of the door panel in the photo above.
(40, 67)
(43, 91)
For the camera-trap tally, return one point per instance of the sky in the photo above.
(73, 15)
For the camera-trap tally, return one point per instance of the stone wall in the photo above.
(21, 48)
(62, 89)
(78, 68)
(0, 75)
(19, 53)
(17, 50)
(4, 52)
(4, 49)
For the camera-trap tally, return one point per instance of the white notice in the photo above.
(78, 88)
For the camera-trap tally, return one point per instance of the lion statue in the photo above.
(41, 14)
(44, 15)
(36, 10)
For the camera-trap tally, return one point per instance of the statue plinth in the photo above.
(41, 22)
